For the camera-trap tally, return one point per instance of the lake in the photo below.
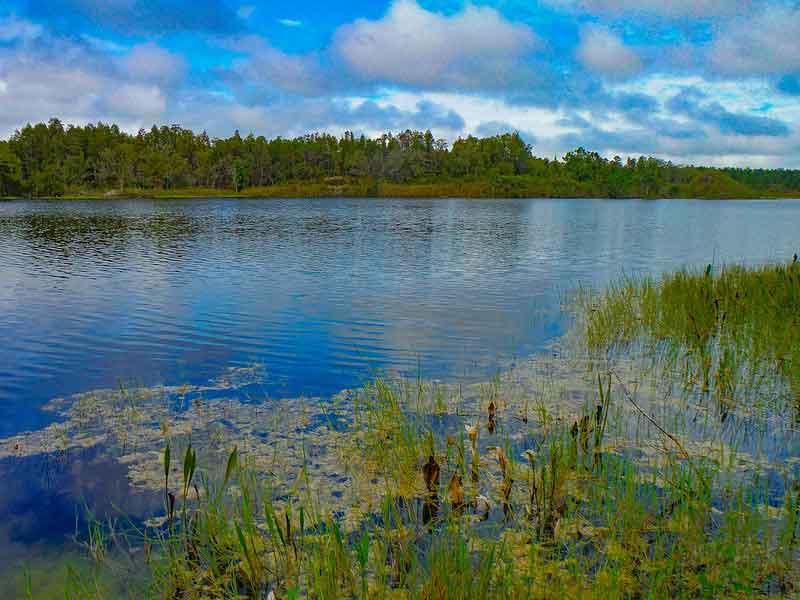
(321, 295)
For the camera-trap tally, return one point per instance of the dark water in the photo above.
(323, 293)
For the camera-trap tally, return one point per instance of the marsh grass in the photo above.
(734, 334)
(636, 492)
(565, 518)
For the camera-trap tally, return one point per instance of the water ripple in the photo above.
(323, 293)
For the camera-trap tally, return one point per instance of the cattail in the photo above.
(430, 472)
(505, 490)
(472, 432)
(456, 490)
(492, 413)
(584, 427)
(503, 462)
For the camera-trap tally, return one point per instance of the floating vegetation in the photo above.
(654, 455)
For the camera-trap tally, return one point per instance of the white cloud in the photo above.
(477, 111)
(151, 63)
(290, 22)
(661, 8)
(603, 52)
(13, 29)
(3, 87)
(414, 46)
(557, 131)
(765, 43)
(68, 80)
(136, 100)
(270, 70)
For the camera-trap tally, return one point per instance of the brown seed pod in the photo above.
(431, 472)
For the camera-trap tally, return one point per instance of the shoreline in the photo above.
(397, 192)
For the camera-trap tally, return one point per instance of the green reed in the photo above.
(729, 333)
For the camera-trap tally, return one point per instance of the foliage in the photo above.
(10, 170)
(53, 160)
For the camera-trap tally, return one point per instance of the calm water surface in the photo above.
(323, 293)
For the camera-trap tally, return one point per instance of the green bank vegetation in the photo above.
(675, 475)
(736, 333)
(51, 160)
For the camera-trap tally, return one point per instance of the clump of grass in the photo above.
(728, 333)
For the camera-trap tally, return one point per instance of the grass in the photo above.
(730, 334)
(660, 483)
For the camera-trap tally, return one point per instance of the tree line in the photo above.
(51, 160)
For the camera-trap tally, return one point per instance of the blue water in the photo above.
(324, 293)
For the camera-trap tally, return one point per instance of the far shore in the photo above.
(466, 190)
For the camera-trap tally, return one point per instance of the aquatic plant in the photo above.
(631, 482)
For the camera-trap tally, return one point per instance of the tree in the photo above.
(51, 159)
(10, 170)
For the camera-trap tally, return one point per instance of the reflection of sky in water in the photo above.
(323, 292)
(45, 501)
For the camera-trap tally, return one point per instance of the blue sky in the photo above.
(694, 81)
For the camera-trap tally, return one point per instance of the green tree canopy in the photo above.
(51, 159)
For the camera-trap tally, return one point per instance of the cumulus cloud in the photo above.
(661, 8)
(136, 100)
(416, 47)
(710, 148)
(474, 70)
(69, 79)
(267, 71)
(149, 62)
(601, 51)
(765, 43)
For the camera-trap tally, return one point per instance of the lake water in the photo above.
(322, 293)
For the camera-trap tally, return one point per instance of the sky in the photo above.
(713, 82)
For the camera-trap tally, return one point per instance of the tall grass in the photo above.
(733, 333)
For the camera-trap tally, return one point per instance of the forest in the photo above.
(56, 160)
